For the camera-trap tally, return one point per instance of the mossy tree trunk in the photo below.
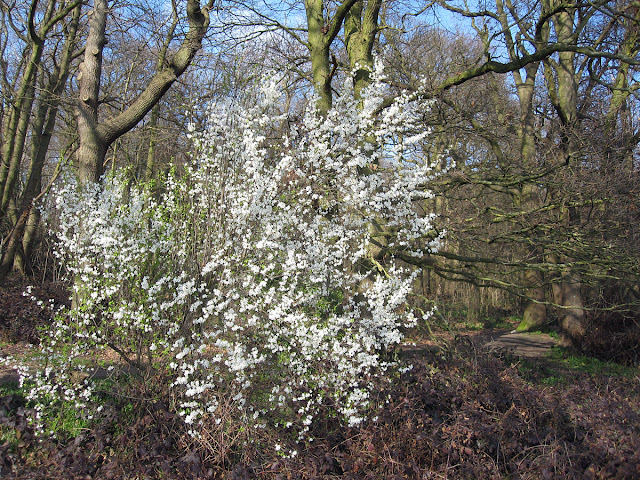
(360, 34)
(322, 31)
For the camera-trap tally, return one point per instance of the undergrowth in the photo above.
(459, 413)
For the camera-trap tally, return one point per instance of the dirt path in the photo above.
(526, 345)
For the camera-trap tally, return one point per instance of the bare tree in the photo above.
(96, 136)
(30, 81)
(547, 177)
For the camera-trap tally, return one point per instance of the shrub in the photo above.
(259, 276)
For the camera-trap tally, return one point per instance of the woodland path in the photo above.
(528, 345)
(524, 345)
(533, 346)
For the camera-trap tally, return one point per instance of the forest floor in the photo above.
(478, 403)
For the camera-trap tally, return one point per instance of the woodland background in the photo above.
(533, 129)
(534, 124)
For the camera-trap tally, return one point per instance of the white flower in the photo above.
(243, 271)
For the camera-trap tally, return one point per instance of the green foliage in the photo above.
(59, 420)
(10, 388)
(590, 365)
(10, 438)
(562, 366)
(327, 305)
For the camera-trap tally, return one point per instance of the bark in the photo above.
(321, 34)
(13, 243)
(567, 294)
(92, 148)
(535, 311)
(95, 138)
(360, 32)
(563, 92)
(319, 49)
(23, 262)
(566, 100)
(620, 145)
(15, 136)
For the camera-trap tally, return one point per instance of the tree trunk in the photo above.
(567, 294)
(563, 92)
(92, 148)
(15, 136)
(620, 144)
(13, 243)
(23, 262)
(360, 33)
(321, 34)
(95, 138)
(319, 53)
(535, 312)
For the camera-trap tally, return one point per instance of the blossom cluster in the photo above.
(264, 272)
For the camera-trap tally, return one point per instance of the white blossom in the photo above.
(243, 278)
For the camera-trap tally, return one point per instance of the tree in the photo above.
(545, 180)
(322, 31)
(17, 214)
(96, 136)
(237, 284)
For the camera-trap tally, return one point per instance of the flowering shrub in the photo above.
(253, 279)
